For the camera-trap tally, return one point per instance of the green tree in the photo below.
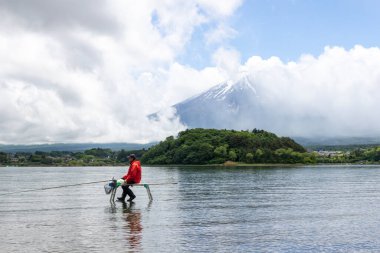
(259, 153)
(122, 156)
(232, 155)
(36, 158)
(221, 151)
(99, 152)
(249, 157)
(3, 158)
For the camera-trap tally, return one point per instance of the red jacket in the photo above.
(134, 173)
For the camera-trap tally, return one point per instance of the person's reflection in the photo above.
(133, 218)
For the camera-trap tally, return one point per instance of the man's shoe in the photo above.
(131, 199)
(121, 199)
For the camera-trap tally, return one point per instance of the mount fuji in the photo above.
(247, 104)
(231, 105)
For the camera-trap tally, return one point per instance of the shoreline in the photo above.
(198, 165)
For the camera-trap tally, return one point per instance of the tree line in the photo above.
(91, 157)
(202, 146)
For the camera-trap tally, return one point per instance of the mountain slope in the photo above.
(228, 105)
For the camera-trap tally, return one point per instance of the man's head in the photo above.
(131, 157)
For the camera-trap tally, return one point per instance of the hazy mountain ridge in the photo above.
(72, 147)
(347, 143)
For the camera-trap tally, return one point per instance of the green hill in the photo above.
(211, 146)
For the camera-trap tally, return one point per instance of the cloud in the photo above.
(227, 60)
(82, 71)
(334, 94)
(90, 71)
(220, 34)
(215, 7)
(61, 15)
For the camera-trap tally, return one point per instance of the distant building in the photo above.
(328, 153)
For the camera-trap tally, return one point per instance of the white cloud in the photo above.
(228, 62)
(91, 70)
(220, 8)
(220, 34)
(335, 94)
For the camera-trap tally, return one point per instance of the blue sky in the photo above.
(290, 28)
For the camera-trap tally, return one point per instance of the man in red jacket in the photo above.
(132, 177)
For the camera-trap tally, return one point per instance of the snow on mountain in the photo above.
(227, 105)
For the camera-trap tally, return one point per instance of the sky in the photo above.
(91, 70)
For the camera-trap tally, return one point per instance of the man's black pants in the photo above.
(127, 191)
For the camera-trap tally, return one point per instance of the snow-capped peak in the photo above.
(245, 83)
(220, 91)
(213, 108)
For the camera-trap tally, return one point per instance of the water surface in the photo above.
(245, 209)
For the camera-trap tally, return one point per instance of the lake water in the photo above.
(225, 209)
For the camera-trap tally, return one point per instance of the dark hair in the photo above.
(133, 156)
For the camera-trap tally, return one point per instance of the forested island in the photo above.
(204, 147)
(211, 146)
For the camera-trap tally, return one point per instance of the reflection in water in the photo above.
(111, 209)
(133, 218)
